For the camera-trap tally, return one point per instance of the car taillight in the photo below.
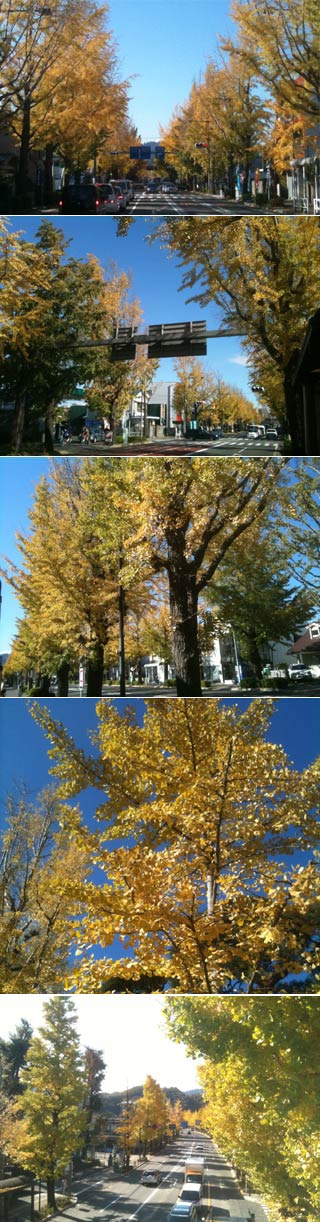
(97, 203)
(60, 203)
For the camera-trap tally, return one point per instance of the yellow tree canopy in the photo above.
(263, 274)
(22, 277)
(46, 1124)
(261, 1086)
(207, 891)
(279, 42)
(35, 906)
(222, 111)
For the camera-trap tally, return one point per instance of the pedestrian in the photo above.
(2, 688)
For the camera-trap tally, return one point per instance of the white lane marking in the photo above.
(89, 1186)
(152, 1194)
(115, 1199)
(137, 202)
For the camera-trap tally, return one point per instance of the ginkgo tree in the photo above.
(224, 112)
(279, 42)
(260, 1079)
(45, 1126)
(69, 582)
(34, 904)
(263, 274)
(51, 303)
(259, 580)
(199, 839)
(201, 395)
(168, 523)
(60, 89)
(188, 516)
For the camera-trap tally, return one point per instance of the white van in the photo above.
(191, 1193)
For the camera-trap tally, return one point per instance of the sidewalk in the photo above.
(255, 1204)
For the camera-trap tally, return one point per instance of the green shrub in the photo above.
(261, 199)
(250, 681)
(276, 685)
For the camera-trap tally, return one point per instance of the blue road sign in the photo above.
(144, 152)
(140, 152)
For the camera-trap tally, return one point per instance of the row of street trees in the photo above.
(60, 87)
(201, 859)
(166, 551)
(50, 303)
(146, 1124)
(261, 1086)
(200, 394)
(51, 1104)
(263, 274)
(260, 96)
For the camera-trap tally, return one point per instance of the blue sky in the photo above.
(156, 280)
(18, 478)
(24, 758)
(23, 746)
(104, 1022)
(17, 481)
(163, 45)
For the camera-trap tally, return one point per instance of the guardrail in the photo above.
(300, 204)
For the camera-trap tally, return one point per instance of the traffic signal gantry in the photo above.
(161, 340)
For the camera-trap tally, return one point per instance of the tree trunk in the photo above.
(18, 422)
(95, 672)
(48, 181)
(254, 656)
(63, 679)
(49, 429)
(32, 1199)
(51, 1192)
(43, 683)
(294, 408)
(22, 176)
(184, 619)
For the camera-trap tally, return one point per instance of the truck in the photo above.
(194, 1170)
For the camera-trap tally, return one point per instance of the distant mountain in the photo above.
(112, 1104)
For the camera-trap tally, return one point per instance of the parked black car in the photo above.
(89, 197)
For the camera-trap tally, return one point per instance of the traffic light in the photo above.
(177, 339)
(201, 146)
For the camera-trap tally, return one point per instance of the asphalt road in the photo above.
(180, 204)
(189, 203)
(233, 443)
(122, 1198)
(219, 689)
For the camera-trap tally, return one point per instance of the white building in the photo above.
(161, 415)
(219, 665)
